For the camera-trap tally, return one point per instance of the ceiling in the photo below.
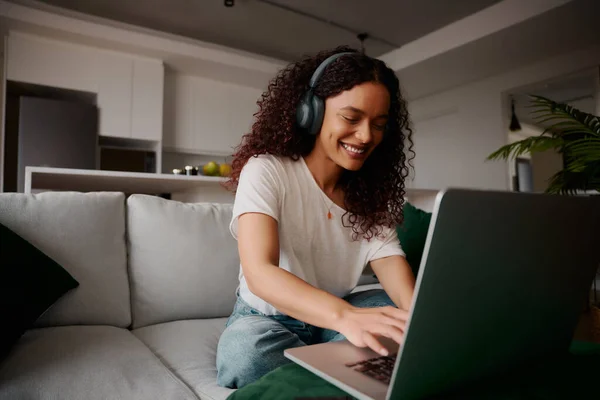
(271, 33)
(578, 90)
(286, 29)
(565, 29)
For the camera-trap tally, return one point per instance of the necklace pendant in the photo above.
(329, 215)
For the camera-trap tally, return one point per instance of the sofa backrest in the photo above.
(85, 233)
(183, 261)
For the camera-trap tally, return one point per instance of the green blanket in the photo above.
(574, 377)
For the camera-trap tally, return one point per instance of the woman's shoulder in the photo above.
(275, 167)
(269, 162)
(265, 159)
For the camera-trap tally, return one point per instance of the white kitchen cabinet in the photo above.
(114, 98)
(242, 114)
(130, 97)
(50, 63)
(210, 125)
(204, 116)
(178, 113)
(129, 89)
(147, 100)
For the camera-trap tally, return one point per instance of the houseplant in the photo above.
(575, 135)
(572, 133)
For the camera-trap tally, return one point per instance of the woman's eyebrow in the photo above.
(350, 108)
(359, 111)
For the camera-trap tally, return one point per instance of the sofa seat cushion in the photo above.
(86, 362)
(189, 350)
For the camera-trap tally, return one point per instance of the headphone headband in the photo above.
(319, 71)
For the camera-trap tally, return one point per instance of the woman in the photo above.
(319, 191)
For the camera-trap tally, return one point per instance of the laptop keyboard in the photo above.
(379, 368)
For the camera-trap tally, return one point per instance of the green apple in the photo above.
(211, 169)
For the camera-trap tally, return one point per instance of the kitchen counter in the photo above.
(82, 180)
(189, 189)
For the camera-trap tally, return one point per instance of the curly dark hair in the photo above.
(373, 195)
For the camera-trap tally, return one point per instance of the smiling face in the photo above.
(354, 124)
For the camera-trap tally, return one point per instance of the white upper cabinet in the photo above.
(147, 100)
(242, 112)
(178, 113)
(204, 116)
(129, 89)
(114, 94)
(50, 63)
(210, 125)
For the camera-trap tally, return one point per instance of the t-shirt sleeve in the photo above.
(258, 191)
(389, 246)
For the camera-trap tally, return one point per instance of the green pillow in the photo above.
(30, 283)
(413, 234)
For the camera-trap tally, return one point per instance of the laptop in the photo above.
(503, 281)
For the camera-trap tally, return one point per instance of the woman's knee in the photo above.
(251, 347)
(370, 299)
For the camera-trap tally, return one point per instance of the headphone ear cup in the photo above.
(318, 111)
(304, 112)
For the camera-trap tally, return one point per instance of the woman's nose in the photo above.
(364, 133)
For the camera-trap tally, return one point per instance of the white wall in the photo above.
(457, 129)
(451, 143)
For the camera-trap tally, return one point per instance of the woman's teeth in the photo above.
(352, 149)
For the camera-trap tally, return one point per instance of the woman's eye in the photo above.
(350, 119)
(379, 127)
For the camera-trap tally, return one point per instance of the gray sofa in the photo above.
(157, 281)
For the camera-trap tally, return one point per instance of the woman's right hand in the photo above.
(361, 326)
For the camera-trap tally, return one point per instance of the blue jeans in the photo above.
(253, 343)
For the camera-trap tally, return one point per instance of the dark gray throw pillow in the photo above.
(30, 283)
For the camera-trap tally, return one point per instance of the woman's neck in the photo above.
(325, 172)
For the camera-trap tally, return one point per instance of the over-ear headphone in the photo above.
(310, 110)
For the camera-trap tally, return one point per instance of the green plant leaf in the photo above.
(576, 167)
(577, 122)
(529, 145)
(572, 133)
(566, 182)
(582, 151)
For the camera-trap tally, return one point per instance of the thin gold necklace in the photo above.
(329, 215)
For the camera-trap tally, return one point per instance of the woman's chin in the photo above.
(350, 165)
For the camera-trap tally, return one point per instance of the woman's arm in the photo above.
(397, 279)
(258, 243)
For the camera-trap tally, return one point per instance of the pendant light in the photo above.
(514, 122)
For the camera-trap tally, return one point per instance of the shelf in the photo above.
(82, 180)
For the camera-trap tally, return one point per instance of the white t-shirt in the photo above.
(319, 250)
